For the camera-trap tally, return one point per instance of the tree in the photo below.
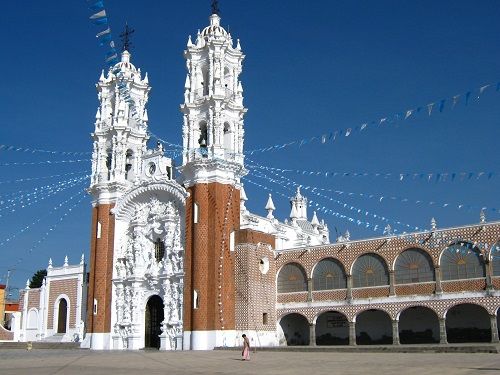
(37, 278)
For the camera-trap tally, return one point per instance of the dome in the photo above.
(125, 65)
(214, 29)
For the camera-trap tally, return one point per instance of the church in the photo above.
(177, 262)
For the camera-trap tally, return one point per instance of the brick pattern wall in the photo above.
(463, 285)
(255, 291)
(292, 297)
(68, 287)
(208, 265)
(34, 298)
(5, 334)
(370, 292)
(412, 289)
(495, 281)
(101, 270)
(330, 295)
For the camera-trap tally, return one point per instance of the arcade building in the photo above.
(177, 262)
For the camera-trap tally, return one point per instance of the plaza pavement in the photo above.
(43, 361)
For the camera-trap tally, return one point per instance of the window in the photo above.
(329, 274)
(292, 278)
(195, 213)
(99, 228)
(414, 266)
(264, 318)
(462, 261)
(159, 250)
(495, 259)
(196, 299)
(369, 270)
(95, 306)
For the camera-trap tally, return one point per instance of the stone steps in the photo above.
(39, 345)
(418, 348)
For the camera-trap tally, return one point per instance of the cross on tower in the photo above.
(215, 7)
(125, 37)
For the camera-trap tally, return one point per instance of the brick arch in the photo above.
(435, 260)
(325, 258)
(349, 272)
(380, 308)
(282, 315)
(294, 261)
(417, 304)
(485, 307)
(320, 312)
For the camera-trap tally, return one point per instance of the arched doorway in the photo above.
(153, 319)
(62, 316)
(468, 323)
(332, 328)
(296, 329)
(373, 327)
(418, 325)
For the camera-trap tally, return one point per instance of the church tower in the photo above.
(119, 141)
(212, 132)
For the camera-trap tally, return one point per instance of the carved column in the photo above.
(489, 284)
(395, 332)
(309, 290)
(392, 289)
(442, 331)
(439, 289)
(312, 334)
(352, 333)
(494, 328)
(349, 287)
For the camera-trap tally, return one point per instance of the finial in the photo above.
(215, 7)
(50, 263)
(238, 45)
(125, 37)
(388, 230)
(28, 284)
(146, 79)
(98, 114)
(433, 224)
(314, 220)
(102, 78)
(190, 42)
(482, 216)
(270, 207)
(347, 235)
(82, 259)
(66, 261)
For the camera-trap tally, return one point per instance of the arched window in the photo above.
(329, 274)
(292, 278)
(228, 134)
(414, 266)
(369, 270)
(203, 139)
(462, 261)
(129, 157)
(109, 163)
(495, 259)
(159, 250)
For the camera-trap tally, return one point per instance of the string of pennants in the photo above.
(34, 189)
(287, 182)
(401, 176)
(43, 162)
(26, 200)
(30, 150)
(428, 109)
(27, 179)
(380, 198)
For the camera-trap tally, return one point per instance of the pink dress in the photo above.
(246, 350)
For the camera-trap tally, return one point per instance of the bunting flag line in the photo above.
(30, 150)
(28, 179)
(44, 162)
(400, 176)
(440, 106)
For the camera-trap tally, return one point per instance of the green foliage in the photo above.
(37, 278)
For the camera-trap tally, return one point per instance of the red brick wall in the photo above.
(460, 285)
(330, 295)
(68, 287)
(203, 257)
(370, 292)
(292, 297)
(101, 270)
(411, 289)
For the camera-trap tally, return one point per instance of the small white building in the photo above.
(55, 311)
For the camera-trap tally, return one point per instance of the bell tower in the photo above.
(212, 167)
(119, 142)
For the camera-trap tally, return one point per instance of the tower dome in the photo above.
(214, 29)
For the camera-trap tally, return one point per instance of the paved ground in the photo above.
(41, 362)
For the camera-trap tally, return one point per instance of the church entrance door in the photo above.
(62, 316)
(154, 317)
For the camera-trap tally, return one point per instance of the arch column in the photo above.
(442, 331)
(392, 289)
(349, 289)
(312, 334)
(439, 289)
(309, 289)
(395, 332)
(494, 328)
(489, 284)
(352, 333)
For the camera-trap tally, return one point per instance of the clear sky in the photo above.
(311, 68)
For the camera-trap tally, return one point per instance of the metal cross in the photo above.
(215, 7)
(125, 37)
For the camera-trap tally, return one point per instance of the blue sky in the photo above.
(311, 68)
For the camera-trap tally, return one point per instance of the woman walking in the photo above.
(246, 348)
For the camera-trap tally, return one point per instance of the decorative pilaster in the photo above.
(349, 288)
(494, 329)
(442, 331)
(395, 332)
(489, 284)
(439, 289)
(309, 289)
(312, 334)
(352, 333)
(392, 289)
